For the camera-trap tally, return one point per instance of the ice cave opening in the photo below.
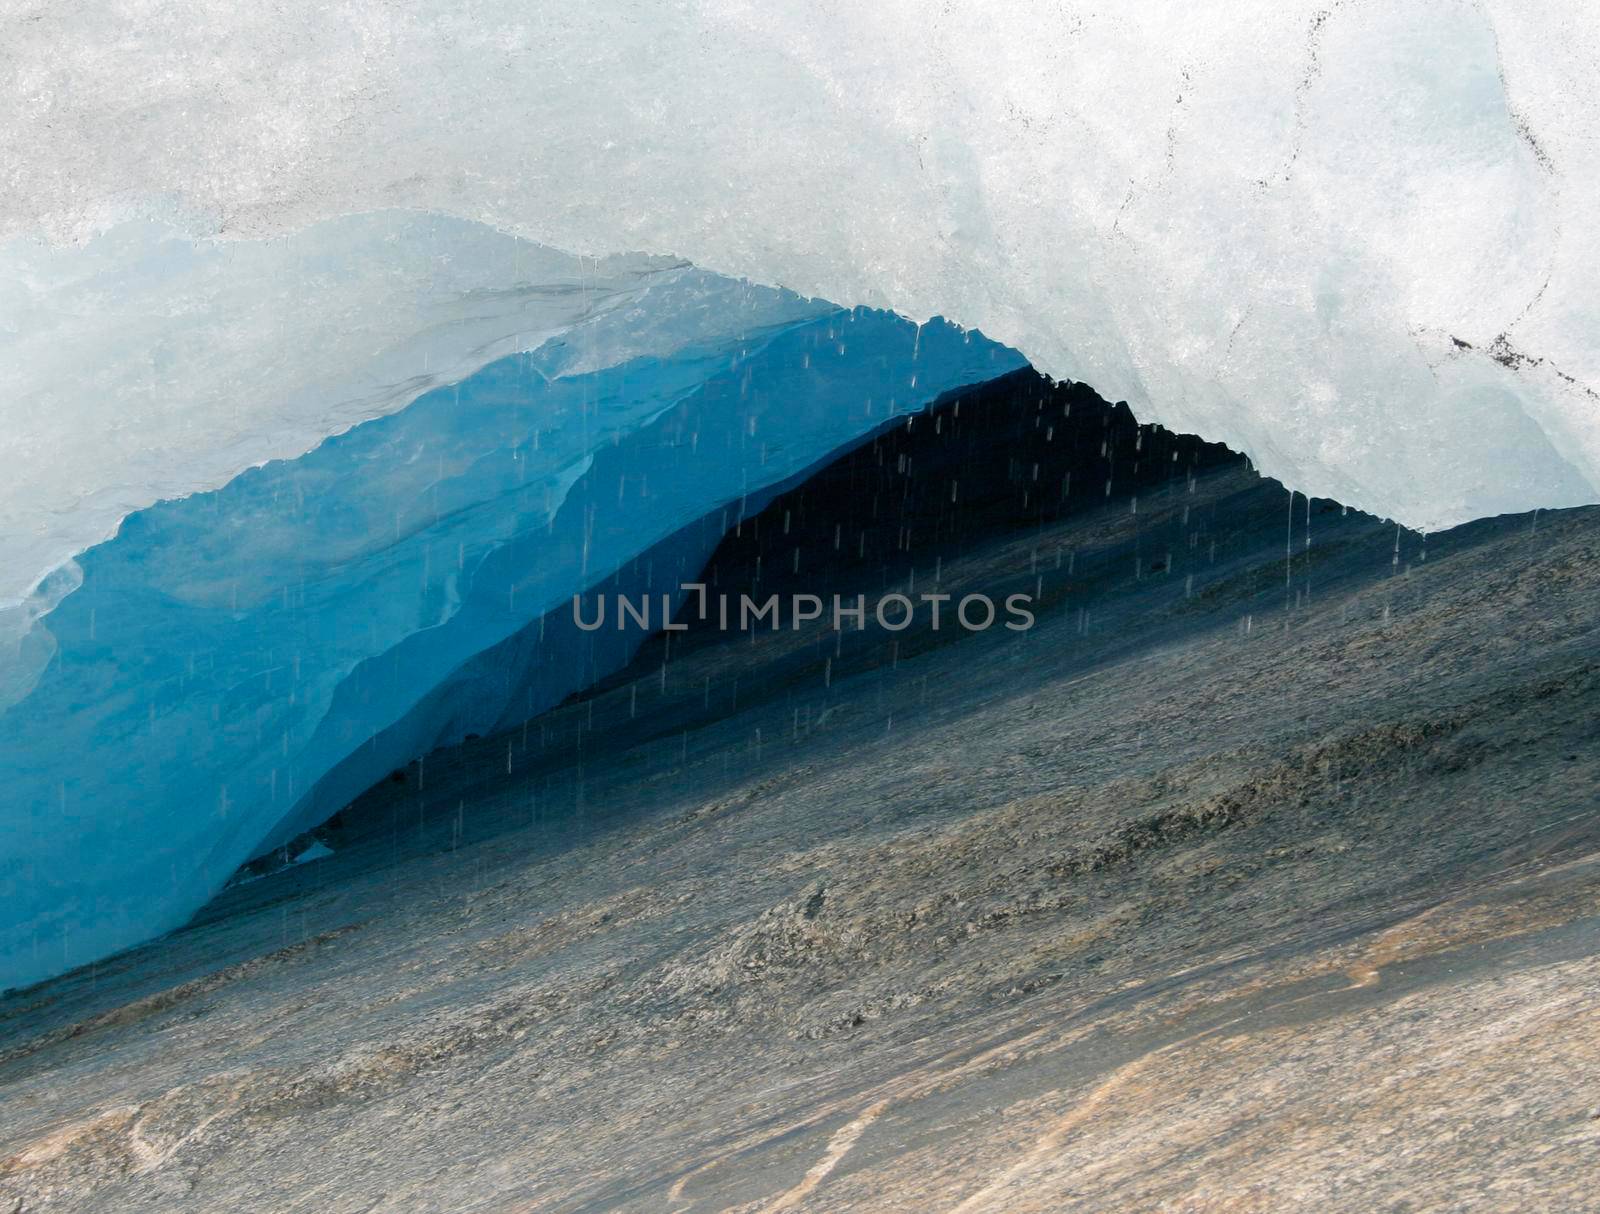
(227, 620)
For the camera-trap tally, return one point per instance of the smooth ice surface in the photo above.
(235, 665)
(1356, 241)
(145, 365)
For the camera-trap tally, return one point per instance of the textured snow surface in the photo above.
(236, 665)
(1355, 240)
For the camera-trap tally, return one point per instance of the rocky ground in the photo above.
(1264, 873)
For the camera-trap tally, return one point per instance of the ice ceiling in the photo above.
(437, 263)
(1355, 240)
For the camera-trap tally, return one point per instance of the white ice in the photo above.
(1356, 241)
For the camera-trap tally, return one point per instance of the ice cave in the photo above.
(344, 348)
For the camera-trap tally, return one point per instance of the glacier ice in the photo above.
(1355, 241)
(235, 665)
(145, 365)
